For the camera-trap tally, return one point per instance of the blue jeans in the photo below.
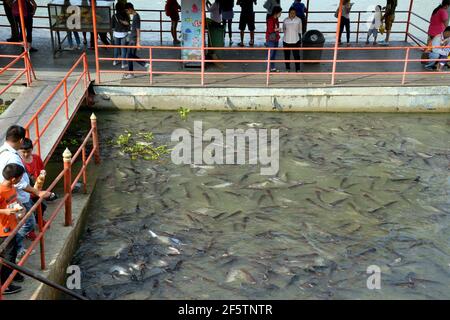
(29, 225)
(132, 55)
(70, 39)
(273, 53)
(123, 51)
(435, 56)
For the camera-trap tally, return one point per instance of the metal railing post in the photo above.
(203, 42)
(95, 139)
(268, 67)
(42, 241)
(66, 99)
(336, 45)
(357, 29)
(150, 69)
(22, 25)
(94, 25)
(38, 137)
(160, 28)
(409, 20)
(67, 158)
(405, 69)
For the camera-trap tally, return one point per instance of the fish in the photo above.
(164, 239)
(171, 251)
(240, 275)
(221, 185)
(207, 197)
(219, 215)
(117, 271)
(235, 213)
(337, 202)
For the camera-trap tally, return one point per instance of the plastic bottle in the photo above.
(40, 180)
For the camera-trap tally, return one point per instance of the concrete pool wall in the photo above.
(337, 99)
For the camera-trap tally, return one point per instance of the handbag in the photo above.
(382, 29)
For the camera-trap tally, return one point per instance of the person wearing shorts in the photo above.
(247, 19)
(389, 18)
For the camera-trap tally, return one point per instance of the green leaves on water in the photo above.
(140, 145)
(184, 112)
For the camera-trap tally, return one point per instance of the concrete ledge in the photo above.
(338, 99)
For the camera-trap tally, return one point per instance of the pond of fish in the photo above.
(355, 194)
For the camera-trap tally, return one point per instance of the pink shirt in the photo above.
(437, 21)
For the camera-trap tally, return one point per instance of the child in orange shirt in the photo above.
(9, 208)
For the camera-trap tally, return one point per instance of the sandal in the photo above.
(251, 43)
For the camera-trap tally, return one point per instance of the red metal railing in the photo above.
(27, 70)
(84, 78)
(69, 185)
(334, 73)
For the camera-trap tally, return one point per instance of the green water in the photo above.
(353, 190)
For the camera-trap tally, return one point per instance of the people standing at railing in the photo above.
(345, 20)
(269, 5)
(273, 35)
(9, 154)
(292, 32)
(120, 26)
(29, 9)
(11, 211)
(71, 34)
(389, 18)
(440, 50)
(7, 6)
(226, 8)
(172, 9)
(247, 19)
(374, 26)
(301, 10)
(134, 40)
(439, 20)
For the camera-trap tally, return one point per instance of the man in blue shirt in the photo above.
(300, 9)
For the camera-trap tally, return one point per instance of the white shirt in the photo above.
(376, 21)
(439, 41)
(8, 155)
(292, 29)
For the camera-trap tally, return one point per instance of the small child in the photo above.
(441, 40)
(10, 210)
(376, 24)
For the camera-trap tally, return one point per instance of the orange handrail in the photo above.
(334, 73)
(84, 75)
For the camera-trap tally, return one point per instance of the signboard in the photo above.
(191, 29)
